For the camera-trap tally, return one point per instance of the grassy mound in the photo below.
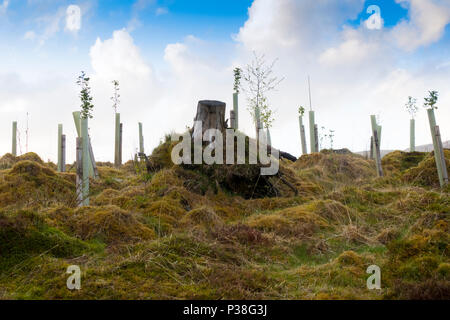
(223, 232)
(425, 173)
(109, 224)
(325, 168)
(418, 264)
(399, 161)
(29, 183)
(25, 235)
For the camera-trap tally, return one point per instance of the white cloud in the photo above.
(428, 19)
(118, 58)
(355, 71)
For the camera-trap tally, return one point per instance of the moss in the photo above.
(288, 222)
(167, 207)
(29, 183)
(107, 223)
(30, 156)
(398, 161)
(204, 216)
(330, 210)
(25, 235)
(387, 235)
(425, 173)
(350, 258)
(444, 270)
(161, 157)
(7, 161)
(340, 167)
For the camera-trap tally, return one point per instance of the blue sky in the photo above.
(171, 53)
(391, 12)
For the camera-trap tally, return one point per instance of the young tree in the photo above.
(237, 79)
(301, 111)
(330, 137)
(411, 107)
(85, 96)
(430, 102)
(116, 96)
(260, 80)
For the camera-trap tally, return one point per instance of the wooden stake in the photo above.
(372, 151)
(373, 121)
(377, 154)
(316, 138)
(92, 160)
(63, 153)
(444, 179)
(14, 139)
(79, 172)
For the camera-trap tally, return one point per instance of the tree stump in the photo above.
(211, 114)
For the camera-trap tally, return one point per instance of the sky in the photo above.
(169, 54)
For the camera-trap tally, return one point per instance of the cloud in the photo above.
(428, 19)
(355, 72)
(288, 23)
(118, 58)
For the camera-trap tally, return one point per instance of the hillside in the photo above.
(421, 148)
(182, 232)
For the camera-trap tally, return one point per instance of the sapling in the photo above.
(237, 79)
(321, 137)
(85, 96)
(116, 102)
(86, 114)
(430, 102)
(412, 108)
(330, 137)
(260, 80)
(237, 85)
(116, 95)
